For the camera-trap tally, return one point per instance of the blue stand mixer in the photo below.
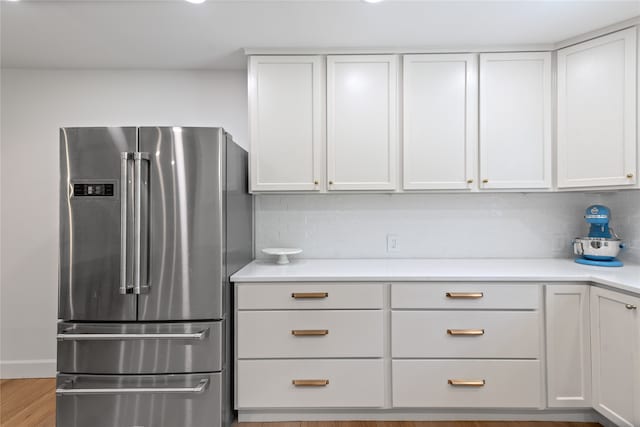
(602, 245)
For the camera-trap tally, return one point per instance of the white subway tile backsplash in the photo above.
(625, 208)
(504, 225)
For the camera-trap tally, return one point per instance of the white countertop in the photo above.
(625, 278)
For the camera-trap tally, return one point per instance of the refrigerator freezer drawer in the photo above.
(141, 401)
(140, 348)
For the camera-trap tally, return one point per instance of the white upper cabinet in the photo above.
(597, 112)
(515, 120)
(285, 102)
(362, 122)
(440, 121)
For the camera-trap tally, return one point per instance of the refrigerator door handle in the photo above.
(198, 336)
(66, 389)
(125, 222)
(141, 223)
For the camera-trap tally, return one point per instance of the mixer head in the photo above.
(598, 217)
(597, 214)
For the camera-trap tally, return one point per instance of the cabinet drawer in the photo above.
(490, 383)
(349, 383)
(314, 296)
(465, 296)
(466, 334)
(329, 333)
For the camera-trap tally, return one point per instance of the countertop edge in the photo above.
(588, 276)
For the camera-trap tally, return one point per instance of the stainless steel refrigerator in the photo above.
(153, 221)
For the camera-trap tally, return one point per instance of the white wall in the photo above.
(34, 104)
(509, 225)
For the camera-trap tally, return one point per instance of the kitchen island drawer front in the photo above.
(314, 296)
(466, 384)
(321, 383)
(466, 334)
(140, 348)
(457, 295)
(312, 334)
(151, 400)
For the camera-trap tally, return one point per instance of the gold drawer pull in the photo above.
(465, 332)
(306, 295)
(464, 295)
(310, 383)
(309, 332)
(467, 383)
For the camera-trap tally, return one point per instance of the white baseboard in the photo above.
(41, 368)
(586, 415)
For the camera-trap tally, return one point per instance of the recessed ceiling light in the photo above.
(196, 1)
(372, 1)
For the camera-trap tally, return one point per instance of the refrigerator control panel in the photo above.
(93, 190)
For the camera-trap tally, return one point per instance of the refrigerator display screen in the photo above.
(89, 190)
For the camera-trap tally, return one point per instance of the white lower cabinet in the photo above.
(467, 383)
(317, 383)
(316, 345)
(298, 346)
(466, 345)
(568, 346)
(465, 334)
(465, 295)
(310, 334)
(615, 349)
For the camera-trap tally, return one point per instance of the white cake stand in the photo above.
(282, 253)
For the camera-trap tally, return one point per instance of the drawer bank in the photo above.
(314, 345)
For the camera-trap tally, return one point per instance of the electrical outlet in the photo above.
(393, 245)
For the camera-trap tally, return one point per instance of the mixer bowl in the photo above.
(597, 248)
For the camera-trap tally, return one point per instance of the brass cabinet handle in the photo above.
(330, 182)
(315, 182)
(310, 383)
(464, 295)
(309, 332)
(465, 332)
(467, 383)
(629, 175)
(484, 181)
(630, 306)
(470, 181)
(309, 295)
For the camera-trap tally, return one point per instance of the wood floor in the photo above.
(32, 403)
(28, 403)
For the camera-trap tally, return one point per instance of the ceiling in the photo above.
(173, 34)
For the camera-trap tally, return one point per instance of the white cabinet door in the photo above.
(440, 121)
(285, 130)
(615, 336)
(597, 112)
(568, 346)
(361, 122)
(515, 120)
